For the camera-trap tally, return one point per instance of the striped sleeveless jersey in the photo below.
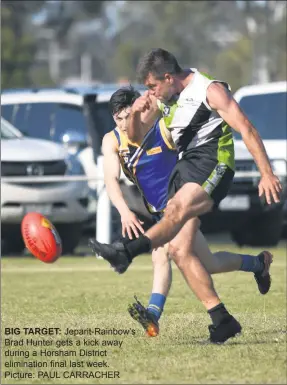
(148, 164)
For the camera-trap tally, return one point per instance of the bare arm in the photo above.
(112, 172)
(144, 112)
(220, 99)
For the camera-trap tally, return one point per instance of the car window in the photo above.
(53, 120)
(47, 120)
(68, 117)
(267, 112)
(6, 132)
(7, 111)
(37, 120)
(32, 119)
(18, 117)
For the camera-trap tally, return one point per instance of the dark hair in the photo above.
(157, 62)
(124, 97)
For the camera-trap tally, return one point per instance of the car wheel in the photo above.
(263, 230)
(70, 235)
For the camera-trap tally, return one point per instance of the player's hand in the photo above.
(271, 187)
(131, 225)
(142, 103)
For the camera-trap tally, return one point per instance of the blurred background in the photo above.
(47, 43)
(62, 60)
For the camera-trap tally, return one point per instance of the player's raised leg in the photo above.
(190, 201)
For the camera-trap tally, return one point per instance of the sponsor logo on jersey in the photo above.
(215, 178)
(153, 151)
(125, 154)
(220, 169)
(166, 110)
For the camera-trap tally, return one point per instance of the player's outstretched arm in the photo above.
(221, 99)
(112, 170)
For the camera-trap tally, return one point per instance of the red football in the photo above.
(41, 238)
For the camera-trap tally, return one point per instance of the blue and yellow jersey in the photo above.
(148, 164)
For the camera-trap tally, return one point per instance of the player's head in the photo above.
(157, 70)
(120, 105)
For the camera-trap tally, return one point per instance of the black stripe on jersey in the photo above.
(187, 133)
(128, 171)
(211, 145)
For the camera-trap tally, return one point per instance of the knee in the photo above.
(160, 258)
(178, 255)
(175, 210)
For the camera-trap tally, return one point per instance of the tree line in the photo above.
(241, 42)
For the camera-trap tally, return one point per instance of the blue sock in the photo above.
(251, 263)
(156, 304)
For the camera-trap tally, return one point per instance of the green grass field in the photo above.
(85, 293)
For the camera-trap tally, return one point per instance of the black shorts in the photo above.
(215, 178)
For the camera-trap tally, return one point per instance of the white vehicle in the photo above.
(56, 115)
(63, 202)
(77, 118)
(252, 221)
